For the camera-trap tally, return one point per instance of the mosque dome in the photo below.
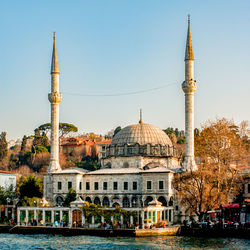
(142, 134)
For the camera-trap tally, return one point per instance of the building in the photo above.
(138, 166)
(80, 146)
(7, 179)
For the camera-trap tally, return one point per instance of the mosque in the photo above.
(138, 165)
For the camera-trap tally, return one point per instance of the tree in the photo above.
(64, 128)
(219, 142)
(3, 146)
(71, 196)
(23, 145)
(118, 129)
(8, 193)
(219, 148)
(30, 187)
(198, 190)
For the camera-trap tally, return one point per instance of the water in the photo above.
(17, 241)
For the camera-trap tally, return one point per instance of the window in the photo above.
(125, 185)
(149, 215)
(115, 185)
(249, 188)
(153, 216)
(161, 184)
(80, 185)
(96, 185)
(134, 185)
(176, 208)
(87, 186)
(105, 185)
(69, 184)
(145, 215)
(149, 185)
(59, 185)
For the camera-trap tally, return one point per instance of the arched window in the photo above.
(97, 201)
(59, 200)
(163, 201)
(148, 199)
(105, 201)
(134, 202)
(171, 202)
(125, 202)
(88, 200)
(116, 204)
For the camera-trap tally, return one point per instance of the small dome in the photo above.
(142, 134)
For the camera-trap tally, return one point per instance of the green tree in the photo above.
(118, 129)
(30, 187)
(64, 128)
(71, 196)
(8, 193)
(23, 145)
(3, 146)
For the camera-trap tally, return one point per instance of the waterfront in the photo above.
(14, 241)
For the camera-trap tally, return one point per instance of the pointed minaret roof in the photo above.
(140, 117)
(54, 63)
(189, 49)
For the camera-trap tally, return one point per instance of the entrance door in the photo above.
(77, 218)
(158, 216)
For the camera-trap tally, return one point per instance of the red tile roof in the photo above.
(5, 172)
(108, 141)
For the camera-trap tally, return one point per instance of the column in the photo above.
(35, 215)
(121, 219)
(70, 218)
(93, 219)
(112, 219)
(131, 219)
(102, 219)
(43, 217)
(61, 216)
(26, 216)
(142, 219)
(52, 216)
(18, 216)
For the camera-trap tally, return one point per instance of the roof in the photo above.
(105, 142)
(142, 134)
(115, 171)
(6, 172)
(129, 171)
(72, 171)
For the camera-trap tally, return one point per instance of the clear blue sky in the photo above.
(121, 46)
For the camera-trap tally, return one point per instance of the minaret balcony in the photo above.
(189, 86)
(55, 97)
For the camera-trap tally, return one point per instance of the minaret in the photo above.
(55, 98)
(189, 86)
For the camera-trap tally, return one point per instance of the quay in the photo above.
(66, 231)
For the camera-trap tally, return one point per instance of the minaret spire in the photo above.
(189, 87)
(189, 49)
(54, 62)
(140, 117)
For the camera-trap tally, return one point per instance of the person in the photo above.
(61, 223)
(111, 226)
(104, 224)
(74, 224)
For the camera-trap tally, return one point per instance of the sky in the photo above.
(111, 47)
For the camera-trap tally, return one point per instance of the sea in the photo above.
(18, 241)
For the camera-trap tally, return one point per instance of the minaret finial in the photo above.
(189, 49)
(140, 117)
(54, 64)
